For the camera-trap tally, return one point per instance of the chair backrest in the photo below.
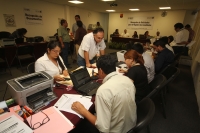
(145, 113)
(156, 85)
(4, 34)
(170, 73)
(25, 49)
(31, 68)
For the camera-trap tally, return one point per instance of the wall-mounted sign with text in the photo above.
(33, 16)
(140, 23)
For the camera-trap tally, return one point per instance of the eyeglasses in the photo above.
(39, 124)
(55, 51)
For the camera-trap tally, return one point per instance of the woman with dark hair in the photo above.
(135, 35)
(137, 73)
(19, 33)
(116, 33)
(51, 62)
(146, 34)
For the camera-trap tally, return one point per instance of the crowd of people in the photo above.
(115, 102)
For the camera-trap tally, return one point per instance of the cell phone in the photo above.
(67, 79)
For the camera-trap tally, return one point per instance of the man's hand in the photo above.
(88, 65)
(58, 78)
(79, 108)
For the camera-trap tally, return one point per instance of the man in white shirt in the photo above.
(180, 39)
(148, 61)
(125, 34)
(114, 102)
(92, 45)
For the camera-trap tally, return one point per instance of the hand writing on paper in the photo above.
(58, 78)
(79, 108)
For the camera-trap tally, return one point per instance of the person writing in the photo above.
(19, 33)
(51, 62)
(137, 73)
(114, 102)
(92, 44)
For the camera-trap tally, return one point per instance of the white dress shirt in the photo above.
(149, 65)
(88, 44)
(181, 36)
(44, 64)
(115, 104)
(125, 34)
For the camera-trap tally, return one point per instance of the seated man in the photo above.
(164, 57)
(148, 61)
(125, 34)
(114, 102)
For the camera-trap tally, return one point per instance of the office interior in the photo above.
(183, 105)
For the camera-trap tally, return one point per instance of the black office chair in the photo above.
(157, 85)
(4, 34)
(3, 60)
(31, 68)
(145, 113)
(25, 53)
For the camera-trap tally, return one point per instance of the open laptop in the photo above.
(83, 83)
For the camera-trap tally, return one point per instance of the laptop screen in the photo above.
(80, 77)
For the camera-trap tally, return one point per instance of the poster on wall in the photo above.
(140, 23)
(9, 20)
(33, 16)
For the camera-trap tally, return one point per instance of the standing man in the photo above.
(92, 44)
(80, 33)
(180, 39)
(75, 26)
(191, 32)
(64, 38)
(114, 102)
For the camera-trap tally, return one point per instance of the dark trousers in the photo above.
(81, 61)
(180, 50)
(65, 53)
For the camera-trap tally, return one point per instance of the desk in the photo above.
(72, 117)
(127, 40)
(39, 50)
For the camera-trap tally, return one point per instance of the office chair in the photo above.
(157, 85)
(31, 68)
(4, 34)
(39, 39)
(145, 113)
(24, 52)
(3, 60)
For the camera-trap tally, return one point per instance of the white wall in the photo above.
(164, 24)
(189, 18)
(51, 13)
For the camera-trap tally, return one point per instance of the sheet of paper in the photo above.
(12, 124)
(66, 101)
(90, 70)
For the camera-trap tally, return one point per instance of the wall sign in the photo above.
(33, 16)
(9, 20)
(140, 23)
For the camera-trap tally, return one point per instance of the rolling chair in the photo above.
(31, 68)
(145, 113)
(24, 53)
(157, 85)
(3, 60)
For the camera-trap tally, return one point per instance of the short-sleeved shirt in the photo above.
(181, 36)
(138, 74)
(115, 104)
(44, 64)
(149, 65)
(125, 35)
(88, 44)
(64, 34)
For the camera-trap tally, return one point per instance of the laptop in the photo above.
(83, 83)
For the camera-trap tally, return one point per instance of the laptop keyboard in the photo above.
(87, 88)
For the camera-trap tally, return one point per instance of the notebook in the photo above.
(83, 83)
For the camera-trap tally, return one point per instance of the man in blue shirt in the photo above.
(164, 57)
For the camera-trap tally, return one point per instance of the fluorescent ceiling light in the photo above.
(134, 9)
(107, 0)
(110, 10)
(164, 8)
(76, 2)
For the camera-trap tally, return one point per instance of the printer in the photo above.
(34, 90)
(120, 55)
(7, 42)
(52, 38)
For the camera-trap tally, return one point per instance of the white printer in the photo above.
(120, 55)
(34, 90)
(7, 42)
